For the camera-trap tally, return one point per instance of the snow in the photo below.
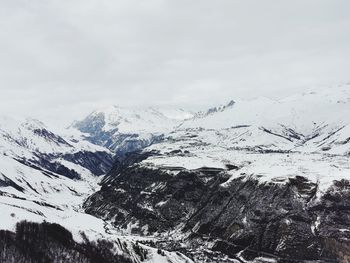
(38, 195)
(265, 167)
(306, 134)
(268, 140)
(20, 137)
(301, 111)
(168, 257)
(18, 141)
(141, 120)
(315, 225)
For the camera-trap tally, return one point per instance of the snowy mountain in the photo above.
(306, 134)
(250, 181)
(41, 171)
(124, 130)
(255, 179)
(44, 179)
(314, 121)
(221, 108)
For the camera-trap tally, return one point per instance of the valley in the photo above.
(250, 181)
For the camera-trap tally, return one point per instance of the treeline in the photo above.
(46, 243)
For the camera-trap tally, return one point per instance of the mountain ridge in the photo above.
(262, 181)
(196, 185)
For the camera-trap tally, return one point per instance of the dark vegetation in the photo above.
(46, 243)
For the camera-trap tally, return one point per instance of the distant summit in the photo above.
(213, 110)
(124, 129)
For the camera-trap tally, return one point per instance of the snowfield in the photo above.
(306, 135)
(32, 192)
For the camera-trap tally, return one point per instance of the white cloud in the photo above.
(66, 57)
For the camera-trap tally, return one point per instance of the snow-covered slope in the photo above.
(201, 181)
(125, 129)
(248, 179)
(30, 141)
(311, 131)
(307, 121)
(46, 177)
(41, 170)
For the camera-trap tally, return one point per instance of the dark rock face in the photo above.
(280, 221)
(47, 166)
(126, 143)
(5, 182)
(43, 243)
(133, 191)
(215, 109)
(98, 163)
(50, 136)
(123, 162)
(92, 124)
(120, 143)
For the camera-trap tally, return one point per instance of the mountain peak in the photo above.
(216, 109)
(124, 129)
(32, 124)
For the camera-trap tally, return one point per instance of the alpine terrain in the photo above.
(256, 180)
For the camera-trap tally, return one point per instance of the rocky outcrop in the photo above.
(287, 222)
(98, 163)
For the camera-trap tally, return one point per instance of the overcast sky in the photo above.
(61, 59)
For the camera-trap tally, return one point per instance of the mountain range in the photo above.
(257, 180)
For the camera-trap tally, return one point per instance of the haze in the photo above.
(61, 59)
